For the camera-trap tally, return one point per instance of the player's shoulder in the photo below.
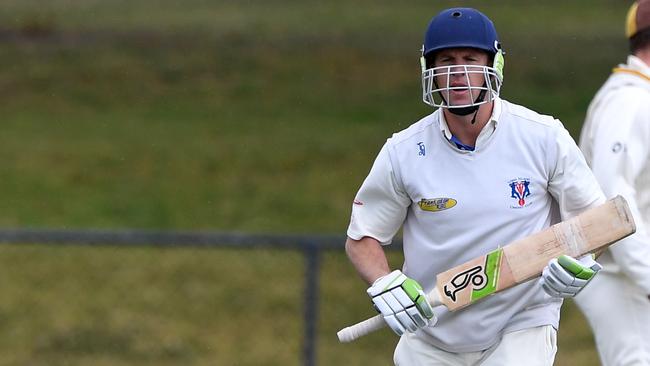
(628, 84)
(527, 118)
(623, 90)
(630, 77)
(416, 130)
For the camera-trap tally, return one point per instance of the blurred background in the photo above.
(248, 116)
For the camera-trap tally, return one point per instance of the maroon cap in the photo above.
(638, 18)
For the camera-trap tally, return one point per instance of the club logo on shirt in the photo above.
(436, 204)
(519, 190)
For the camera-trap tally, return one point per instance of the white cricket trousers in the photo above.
(530, 347)
(618, 312)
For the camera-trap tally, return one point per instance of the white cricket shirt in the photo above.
(455, 205)
(616, 142)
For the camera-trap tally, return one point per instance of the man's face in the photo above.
(461, 77)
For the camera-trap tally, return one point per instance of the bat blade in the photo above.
(525, 258)
(521, 260)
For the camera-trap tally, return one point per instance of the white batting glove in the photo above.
(565, 276)
(402, 302)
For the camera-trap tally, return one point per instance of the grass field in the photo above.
(255, 116)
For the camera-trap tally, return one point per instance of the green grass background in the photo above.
(254, 116)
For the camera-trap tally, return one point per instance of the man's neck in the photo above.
(462, 126)
(644, 55)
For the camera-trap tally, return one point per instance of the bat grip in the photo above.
(356, 331)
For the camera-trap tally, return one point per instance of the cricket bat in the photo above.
(519, 261)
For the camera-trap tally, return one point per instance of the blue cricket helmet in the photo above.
(461, 27)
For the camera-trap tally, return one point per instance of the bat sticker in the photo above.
(483, 279)
(463, 279)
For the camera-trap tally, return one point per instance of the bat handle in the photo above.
(356, 331)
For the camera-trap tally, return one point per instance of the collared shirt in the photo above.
(455, 205)
(485, 133)
(615, 140)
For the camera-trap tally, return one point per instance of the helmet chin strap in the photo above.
(464, 111)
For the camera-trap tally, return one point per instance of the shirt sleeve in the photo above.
(380, 206)
(620, 151)
(571, 182)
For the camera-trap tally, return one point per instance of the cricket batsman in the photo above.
(476, 173)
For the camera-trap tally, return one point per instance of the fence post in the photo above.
(312, 272)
